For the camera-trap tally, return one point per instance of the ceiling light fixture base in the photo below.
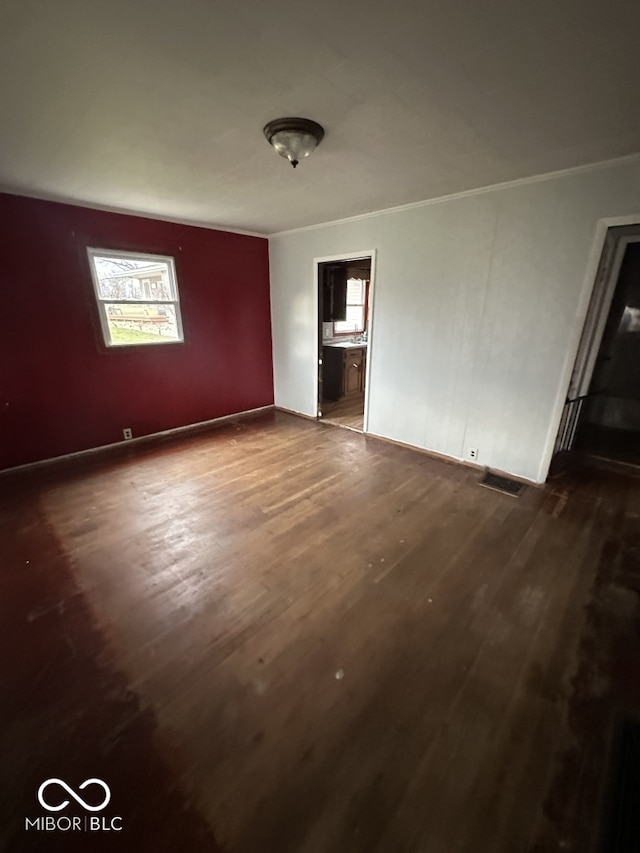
(294, 138)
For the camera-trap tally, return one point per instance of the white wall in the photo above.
(479, 301)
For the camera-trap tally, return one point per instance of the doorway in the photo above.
(601, 417)
(609, 423)
(344, 337)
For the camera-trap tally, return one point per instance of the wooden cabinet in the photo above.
(344, 371)
(334, 292)
(353, 372)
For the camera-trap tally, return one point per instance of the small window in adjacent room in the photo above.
(356, 308)
(137, 298)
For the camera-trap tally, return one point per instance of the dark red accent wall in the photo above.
(61, 390)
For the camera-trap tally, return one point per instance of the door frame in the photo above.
(591, 317)
(346, 256)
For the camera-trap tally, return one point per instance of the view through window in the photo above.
(356, 306)
(137, 298)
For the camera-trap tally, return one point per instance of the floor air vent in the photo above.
(502, 484)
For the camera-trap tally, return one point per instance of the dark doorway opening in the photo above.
(609, 422)
(601, 414)
(344, 298)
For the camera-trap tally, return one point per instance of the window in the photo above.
(137, 298)
(356, 307)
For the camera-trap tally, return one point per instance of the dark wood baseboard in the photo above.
(124, 447)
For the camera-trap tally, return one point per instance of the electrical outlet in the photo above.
(473, 454)
(126, 433)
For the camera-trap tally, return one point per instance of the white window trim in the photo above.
(93, 252)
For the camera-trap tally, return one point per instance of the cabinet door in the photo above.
(352, 373)
(339, 293)
(332, 378)
(325, 283)
(334, 292)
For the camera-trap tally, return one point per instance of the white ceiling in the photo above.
(157, 106)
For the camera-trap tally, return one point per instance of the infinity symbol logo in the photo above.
(103, 785)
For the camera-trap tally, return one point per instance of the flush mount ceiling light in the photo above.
(294, 138)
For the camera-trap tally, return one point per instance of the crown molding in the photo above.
(517, 182)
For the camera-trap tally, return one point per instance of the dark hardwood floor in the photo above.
(619, 445)
(347, 412)
(281, 637)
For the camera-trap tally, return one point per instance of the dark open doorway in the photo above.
(601, 416)
(344, 300)
(609, 423)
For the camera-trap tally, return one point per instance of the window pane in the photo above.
(355, 314)
(126, 278)
(137, 297)
(141, 323)
(355, 291)
(354, 321)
